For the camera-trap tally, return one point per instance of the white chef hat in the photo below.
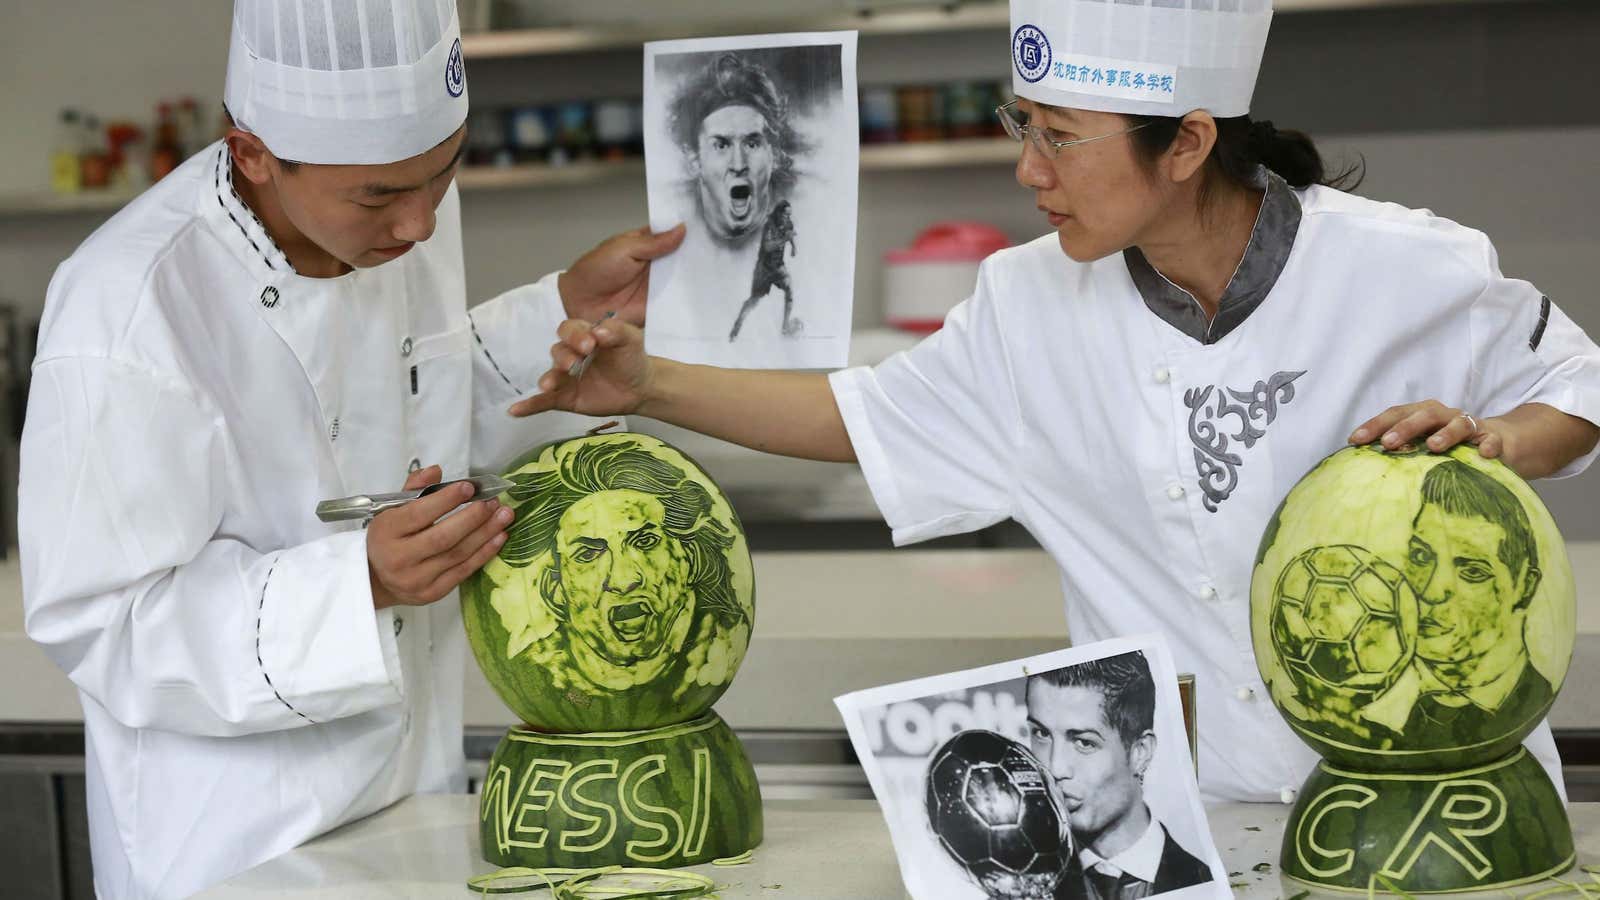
(1148, 57)
(346, 81)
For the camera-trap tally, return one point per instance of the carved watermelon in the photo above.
(674, 796)
(1412, 611)
(1490, 827)
(624, 595)
(1412, 615)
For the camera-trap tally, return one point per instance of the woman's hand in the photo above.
(1444, 426)
(1536, 440)
(615, 381)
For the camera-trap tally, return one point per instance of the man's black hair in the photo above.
(1127, 692)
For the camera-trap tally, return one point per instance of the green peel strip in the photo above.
(742, 859)
(606, 883)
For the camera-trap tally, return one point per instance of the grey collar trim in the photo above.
(1271, 239)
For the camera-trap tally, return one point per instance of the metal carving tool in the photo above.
(365, 506)
(582, 365)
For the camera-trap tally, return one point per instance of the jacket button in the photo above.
(1175, 492)
(405, 347)
(1208, 593)
(1244, 694)
(1286, 795)
(1162, 374)
(399, 624)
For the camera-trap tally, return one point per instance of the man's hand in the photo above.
(414, 558)
(615, 276)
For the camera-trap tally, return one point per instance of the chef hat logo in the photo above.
(1030, 50)
(455, 72)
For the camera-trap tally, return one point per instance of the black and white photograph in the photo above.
(1066, 775)
(752, 143)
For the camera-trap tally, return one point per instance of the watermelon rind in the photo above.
(1489, 827)
(674, 796)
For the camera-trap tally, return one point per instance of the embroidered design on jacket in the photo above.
(1210, 407)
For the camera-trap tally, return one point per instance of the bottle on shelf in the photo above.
(486, 138)
(921, 112)
(530, 134)
(614, 128)
(66, 176)
(94, 163)
(879, 115)
(966, 109)
(165, 152)
(574, 137)
(124, 142)
(191, 136)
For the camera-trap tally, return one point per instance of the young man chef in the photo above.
(281, 320)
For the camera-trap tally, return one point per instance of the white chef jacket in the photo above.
(192, 400)
(1146, 449)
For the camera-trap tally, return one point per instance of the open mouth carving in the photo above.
(629, 620)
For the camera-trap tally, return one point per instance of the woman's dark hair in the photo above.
(1243, 144)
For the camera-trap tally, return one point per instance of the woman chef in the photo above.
(281, 320)
(1140, 388)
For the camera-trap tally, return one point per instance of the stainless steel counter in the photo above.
(427, 847)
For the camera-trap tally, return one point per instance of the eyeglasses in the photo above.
(1018, 128)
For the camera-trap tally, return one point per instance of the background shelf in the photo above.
(874, 157)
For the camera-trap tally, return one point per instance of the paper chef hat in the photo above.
(346, 81)
(1147, 57)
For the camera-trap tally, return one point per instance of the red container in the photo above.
(921, 283)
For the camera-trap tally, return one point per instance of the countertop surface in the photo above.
(426, 848)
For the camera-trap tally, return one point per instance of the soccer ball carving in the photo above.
(1342, 618)
(989, 804)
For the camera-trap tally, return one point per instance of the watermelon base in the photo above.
(1492, 826)
(667, 797)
